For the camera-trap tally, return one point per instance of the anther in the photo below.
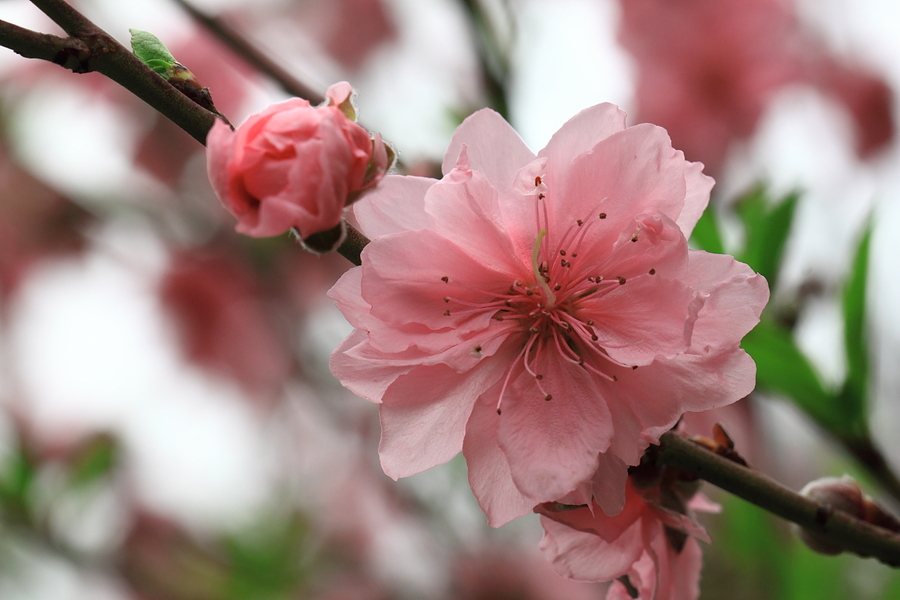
(602, 215)
(556, 287)
(634, 238)
(541, 196)
(590, 323)
(446, 298)
(621, 280)
(594, 337)
(445, 279)
(538, 376)
(533, 329)
(548, 397)
(633, 367)
(498, 411)
(579, 222)
(653, 271)
(615, 378)
(446, 313)
(562, 252)
(564, 263)
(574, 255)
(537, 181)
(498, 317)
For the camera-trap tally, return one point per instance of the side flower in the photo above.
(542, 313)
(295, 166)
(649, 549)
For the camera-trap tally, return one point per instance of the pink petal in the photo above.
(698, 187)
(467, 213)
(489, 475)
(621, 176)
(404, 283)
(396, 205)
(552, 446)
(734, 297)
(579, 135)
(424, 414)
(484, 132)
(586, 556)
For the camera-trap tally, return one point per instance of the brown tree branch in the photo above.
(851, 533)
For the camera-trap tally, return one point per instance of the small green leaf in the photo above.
(152, 52)
(706, 234)
(855, 389)
(783, 369)
(767, 228)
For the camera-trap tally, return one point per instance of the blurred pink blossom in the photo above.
(36, 222)
(223, 320)
(708, 68)
(294, 165)
(543, 314)
(348, 30)
(651, 542)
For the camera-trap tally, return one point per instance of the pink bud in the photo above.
(295, 166)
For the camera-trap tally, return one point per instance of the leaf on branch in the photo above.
(767, 226)
(152, 52)
(853, 395)
(783, 369)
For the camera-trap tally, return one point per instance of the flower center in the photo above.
(550, 311)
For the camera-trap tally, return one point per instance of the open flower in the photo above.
(295, 165)
(650, 547)
(542, 313)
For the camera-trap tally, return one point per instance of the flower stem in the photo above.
(853, 534)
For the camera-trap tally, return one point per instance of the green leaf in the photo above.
(783, 369)
(706, 234)
(854, 392)
(767, 228)
(152, 52)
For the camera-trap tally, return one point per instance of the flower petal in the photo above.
(424, 414)
(489, 475)
(483, 132)
(553, 445)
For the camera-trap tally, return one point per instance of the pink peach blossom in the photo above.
(651, 547)
(294, 165)
(543, 314)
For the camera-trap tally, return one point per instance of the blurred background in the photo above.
(169, 429)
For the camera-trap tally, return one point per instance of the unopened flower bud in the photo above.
(844, 494)
(296, 166)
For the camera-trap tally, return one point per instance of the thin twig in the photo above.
(32, 44)
(91, 49)
(241, 46)
(851, 533)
